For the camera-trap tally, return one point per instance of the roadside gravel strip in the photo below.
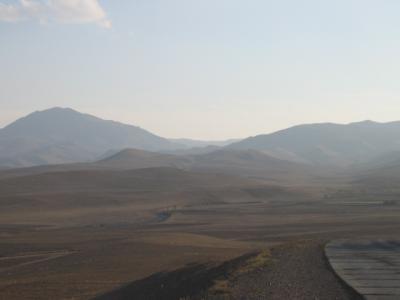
(297, 271)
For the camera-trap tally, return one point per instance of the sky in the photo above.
(209, 69)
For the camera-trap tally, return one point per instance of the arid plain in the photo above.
(80, 234)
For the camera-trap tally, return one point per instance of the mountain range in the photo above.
(65, 136)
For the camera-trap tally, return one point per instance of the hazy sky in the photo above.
(207, 69)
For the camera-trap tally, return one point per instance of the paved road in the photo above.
(372, 268)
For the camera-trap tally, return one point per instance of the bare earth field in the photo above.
(190, 237)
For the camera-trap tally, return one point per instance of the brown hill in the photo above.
(241, 163)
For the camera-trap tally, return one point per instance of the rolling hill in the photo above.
(136, 159)
(243, 163)
(118, 195)
(190, 143)
(238, 163)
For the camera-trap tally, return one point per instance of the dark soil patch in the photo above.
(191, 282)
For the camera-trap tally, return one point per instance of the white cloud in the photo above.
(61, 11)
(10, 13)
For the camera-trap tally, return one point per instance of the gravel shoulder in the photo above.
(298, 270)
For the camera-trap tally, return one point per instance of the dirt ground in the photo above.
(83, 262)
(165, 238)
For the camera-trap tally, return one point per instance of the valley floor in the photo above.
(79, 261)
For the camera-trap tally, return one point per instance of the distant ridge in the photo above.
(136, 159)
(238, 163)
(328, 143)
(190, 143)
(244, 163)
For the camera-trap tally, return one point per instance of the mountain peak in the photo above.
(49, 120)
(59, 108)
(58, 135)
(55, 109)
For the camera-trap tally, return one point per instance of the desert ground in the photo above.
(162, 233)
